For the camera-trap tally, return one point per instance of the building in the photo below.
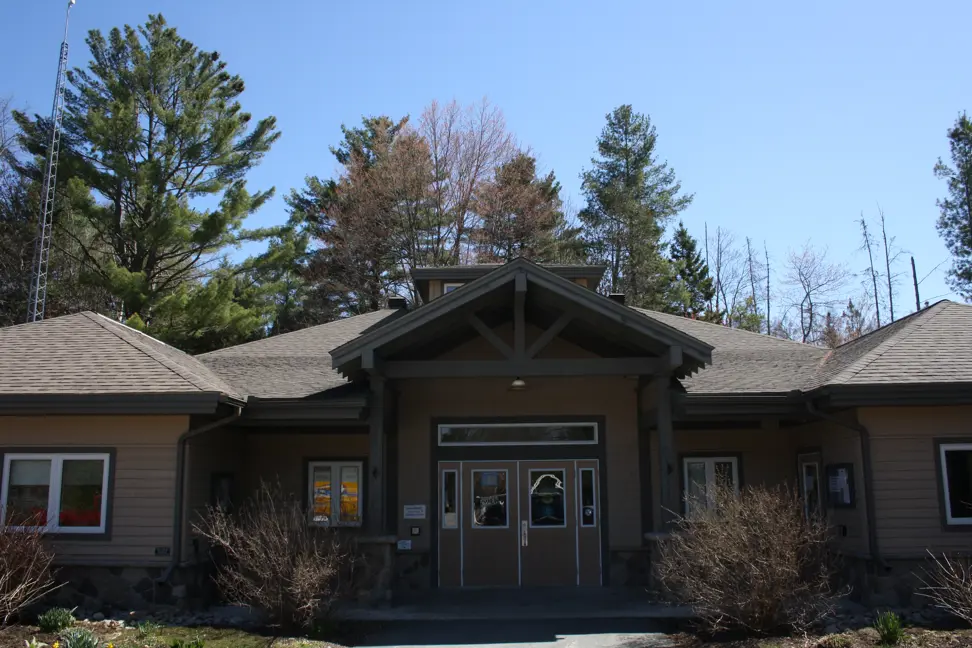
(518, 429)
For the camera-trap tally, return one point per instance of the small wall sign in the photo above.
(404, 545)
(840, 485)
(413, 511)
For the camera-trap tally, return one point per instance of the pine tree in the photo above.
(151, 125)
(519, 213)
(955, 219)
(630, 196)
(692, 286)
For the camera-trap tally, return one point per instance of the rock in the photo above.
(98, 616)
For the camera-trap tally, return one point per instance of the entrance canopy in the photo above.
(620, 340)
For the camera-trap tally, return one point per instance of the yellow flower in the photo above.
(57, 644)
(111, 645)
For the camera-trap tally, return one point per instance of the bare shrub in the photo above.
(275, 561)
(752, 561)
(948, 583)
(26, 575)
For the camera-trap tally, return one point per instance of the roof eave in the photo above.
(145, 403)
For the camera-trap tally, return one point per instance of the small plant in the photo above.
(889, 629)
(834, 641)
(195, 643)
(55, 620)
(33, 643)
(26, 572)
(147, 629)
(79, 638)
(948, 583)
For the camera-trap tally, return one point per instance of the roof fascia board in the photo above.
(893, 394)
(141, 403)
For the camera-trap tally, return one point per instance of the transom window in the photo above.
(702, 474)
(450, 286)
(956, 462)
(64, 493)
(335, 493)
(518, 434)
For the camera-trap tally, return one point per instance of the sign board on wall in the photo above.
(404, 545)
(413, 511)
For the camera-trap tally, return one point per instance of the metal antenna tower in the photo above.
(45, 221)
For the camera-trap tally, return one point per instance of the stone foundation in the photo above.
(128, 588)
(412, 572)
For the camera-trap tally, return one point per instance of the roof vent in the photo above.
(397, 303)
(617, 297)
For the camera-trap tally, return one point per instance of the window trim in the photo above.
(455, 285)
(528, 424)
(458, 483)
(710, 459)
(943, 446)
(812, 457)
(530, 472)
(57, 457)
(472, 496)
(335, 465)
(580, 498)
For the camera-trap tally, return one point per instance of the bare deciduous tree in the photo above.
(729, 275)
(872, 272)
(815, 285)
(891, 255)
(466, 145)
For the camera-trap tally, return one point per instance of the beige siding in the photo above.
(283, 456)
(840, 445)
(142, 501)
(218, 451)
(907, 491)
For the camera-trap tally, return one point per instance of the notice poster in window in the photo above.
(322, 495)
(840, 485)
(350, 511)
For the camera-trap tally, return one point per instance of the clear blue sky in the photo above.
(785, 119)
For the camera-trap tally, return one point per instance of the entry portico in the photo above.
(510, 408)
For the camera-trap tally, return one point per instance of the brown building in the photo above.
(517, 429)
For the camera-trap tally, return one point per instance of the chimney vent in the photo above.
(397, 303)
(617, 297)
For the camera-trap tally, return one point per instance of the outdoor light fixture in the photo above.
(518, 384)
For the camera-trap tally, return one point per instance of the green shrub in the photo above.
(56, 619)
(79, 638)
(888, 626)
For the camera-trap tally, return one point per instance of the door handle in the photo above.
(524, 533)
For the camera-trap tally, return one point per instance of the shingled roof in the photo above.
(292, 365)
(933, 345)
(744, 362)
(89, 354)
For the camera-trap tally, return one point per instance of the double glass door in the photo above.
(519, 523)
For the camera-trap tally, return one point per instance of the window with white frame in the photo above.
(702, 474)
(335, 493)
(956, 462)
(448, 287)
(62, 492)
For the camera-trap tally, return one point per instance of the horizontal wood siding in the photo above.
(907, 491)
(838, 444)
(144, 490)
(282, 456)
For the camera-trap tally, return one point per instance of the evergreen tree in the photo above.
(152, 124)
(693, 288)
(630, 196)
(519, 214)
(955, 219)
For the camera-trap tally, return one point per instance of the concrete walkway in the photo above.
(543, 633)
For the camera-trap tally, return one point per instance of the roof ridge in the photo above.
(308, 328)
(162, 361)
(803, 345)
(893, 340)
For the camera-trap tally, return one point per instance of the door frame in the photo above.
(516, 453)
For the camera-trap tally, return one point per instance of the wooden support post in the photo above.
(375, 513)
(519, 317)
(668, 477)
